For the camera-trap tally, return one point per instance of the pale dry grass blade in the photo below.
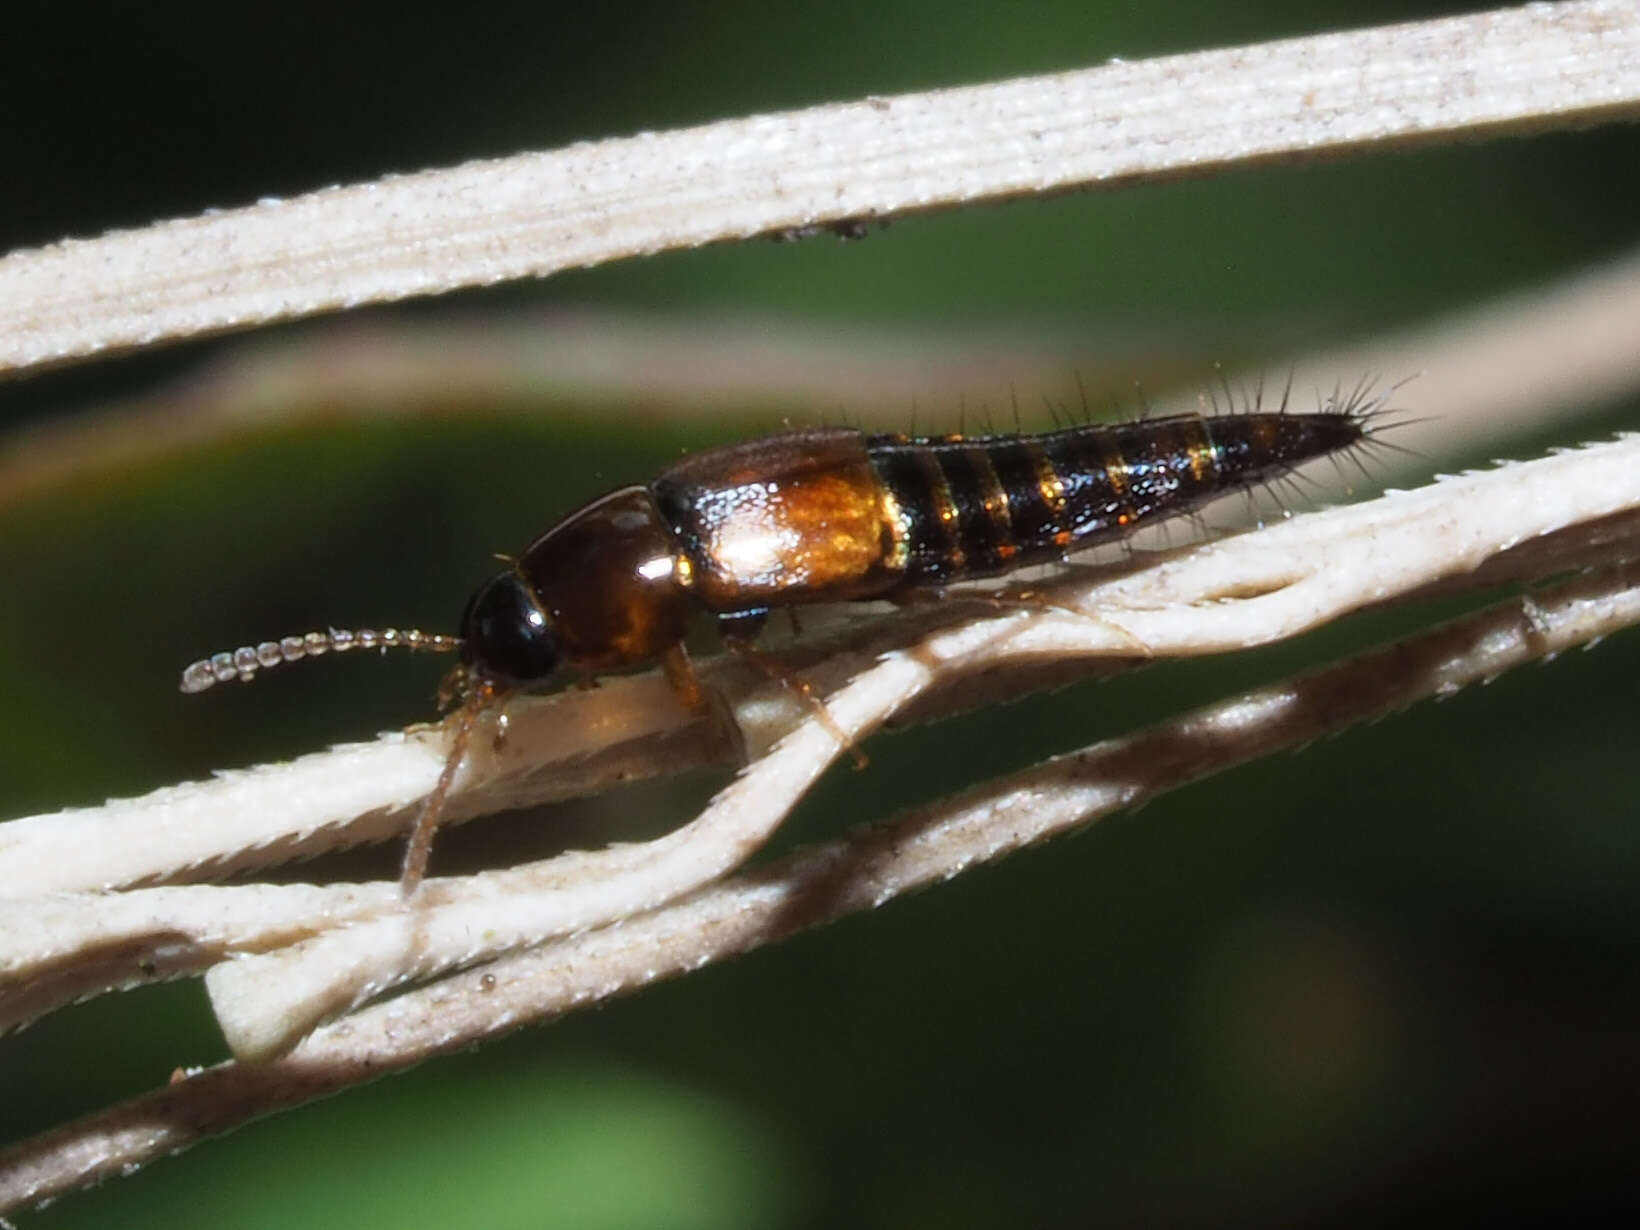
(1506, 71)
(1224, 595)
(815, 886)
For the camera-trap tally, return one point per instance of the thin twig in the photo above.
(1224, 595)
(1491, 369)
(1506, 71)
(815, 886)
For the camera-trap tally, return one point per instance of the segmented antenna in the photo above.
(243, 663)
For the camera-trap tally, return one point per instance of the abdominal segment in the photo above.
(837, 515)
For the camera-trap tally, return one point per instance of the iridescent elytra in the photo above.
(821, 516)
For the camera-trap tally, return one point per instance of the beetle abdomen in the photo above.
(836, 515)
(979, 506)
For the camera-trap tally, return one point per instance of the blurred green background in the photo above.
(1393, 975)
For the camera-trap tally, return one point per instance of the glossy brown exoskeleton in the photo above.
(822, 516)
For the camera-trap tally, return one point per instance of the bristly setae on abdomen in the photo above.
(832, 515)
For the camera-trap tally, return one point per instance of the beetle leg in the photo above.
(795, 683)
(703, 700)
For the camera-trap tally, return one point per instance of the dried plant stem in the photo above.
(817, 885)
(1521, 359)
(1510, 70)
(700, 366)
(292, 969)
(1200, 603)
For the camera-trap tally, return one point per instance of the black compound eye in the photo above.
(504, 634)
